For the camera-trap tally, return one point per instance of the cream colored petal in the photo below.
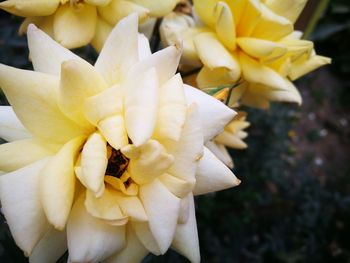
(33, 96)
(214, 115)
(177, 186)
(21, 205)
(152, 161)
(189, 149)
(50, 248)
(11, 128)
(17, 154)
(118, 9)
(79, 81)
(141, 103)
(143, 46)
(214, 55)
(172, 110)
(157, 8)
(230, 140)
(261, 49)
(290, 9)
(133, 252)
(57, 183)
(162, 209)
(97, 2)
(114, 130)
(301, 68)
(186, 236)
(73, 28)
(132, 206)
(220, 152)
(30, 8)
(184, 209)
(94, 163)
(46, 54)
(115, 60)
(271, 26)
(147, 27)
(90, 239)
(103, 29)
(205, 10)
(225, 25)
(144, 234)
(43, 22)
(212, 175)
(209, 78)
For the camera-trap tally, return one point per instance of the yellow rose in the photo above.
(250, 40)
(76, 23)
(104, 160)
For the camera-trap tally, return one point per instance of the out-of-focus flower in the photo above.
(104, 160)
(250, 40)
(232, 137)
(76, 23)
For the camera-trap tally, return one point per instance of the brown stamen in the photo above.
(117, 163)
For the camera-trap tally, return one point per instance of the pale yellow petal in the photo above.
(30, 8)
(212, 175)
(145, 236)
(73, 28)
(44, 22)
(33, 96)
(11, 128)
(17, 154)
(90, 239)
(230, 140)
(205, 10)
(300, 68)
(103, 29)
(177, 186)
(57, 183)
(21, 205)
(225, 25)
(249, 18)
(147, 27)
(97, 2)
(132, 206)
(157, 8)
(114, 130)
(209, 78)
(290, 9)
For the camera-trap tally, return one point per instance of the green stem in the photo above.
(322, 5)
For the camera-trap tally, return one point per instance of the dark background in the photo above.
(294, 201)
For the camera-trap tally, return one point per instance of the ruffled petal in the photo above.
(90, 239)
(30, 8)
(11, 128)
(300, 68)
(225, 25)
(57, 183)
(214, 114)
(73, 28)
(220, 152)
(21, 205)
(212, 175)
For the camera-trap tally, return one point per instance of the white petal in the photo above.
(141, 103)
(46, 54)
(115, 59)
(186, 237)
(50, 248)
(162, 209)
(221, 152)
(11, 128)
(90, 239)
(144, 48)
(213, 113)
(212, 175)
(21, 205)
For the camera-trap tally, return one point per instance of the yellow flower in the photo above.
(76, 23)
(250, 40)
(232, 137)
(104, 160)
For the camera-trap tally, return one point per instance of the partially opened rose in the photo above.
(76, 23)
(249, 40)
(104, 160)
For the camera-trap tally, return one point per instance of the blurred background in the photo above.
(294, 201)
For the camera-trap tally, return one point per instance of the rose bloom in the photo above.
(76, 23)
(249, 40)
(104, 160)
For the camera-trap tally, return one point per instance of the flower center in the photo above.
(117, 163)
(76, 4)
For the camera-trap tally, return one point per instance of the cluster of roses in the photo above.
(104, 160)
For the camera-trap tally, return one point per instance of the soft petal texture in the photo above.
(177, 186)
(290, 9)
(212, 175)
(50, 248)
(225, 25)
(23, 211)
(220, 152)
(301, 68)
(90, 239)
(30, 8)
(134, 251)
(46, 54)
(204, 9)
(157, 8)
(97, 2)
(103, 29)
(141, 103)
(214, 114)
(11, 128)
(57, 183)
(186, 237)
(79, 80)
(17, 154)
(210, 78)
(94, 163)
(115, 60)
(33, 96)
(230, 140)
(74, 29)
(171, 110)
(162, 209)
(143, 47)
